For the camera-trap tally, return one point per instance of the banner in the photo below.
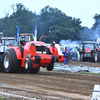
(17, 35)
(35, 33)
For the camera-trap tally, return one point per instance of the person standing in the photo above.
(65, 52)
(78, 54)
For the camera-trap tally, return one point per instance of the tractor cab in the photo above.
(7, 42)
(27, 36)
(90, 47)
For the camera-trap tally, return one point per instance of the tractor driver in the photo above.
(53, 43)
(22, 42)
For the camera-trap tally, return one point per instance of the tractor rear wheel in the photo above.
(94, 57)
(10, 62)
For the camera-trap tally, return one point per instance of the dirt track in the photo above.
(50, 85)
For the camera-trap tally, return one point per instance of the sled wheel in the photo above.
(50, 67)
(95, 58)
(28, 64)
(10, 62)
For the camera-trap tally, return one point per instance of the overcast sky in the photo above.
(83, 9)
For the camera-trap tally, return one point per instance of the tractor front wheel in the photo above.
(28, 65)
(50, 67)
(35, 70)
(29, 68)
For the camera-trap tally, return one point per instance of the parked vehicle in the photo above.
(56, 49)
(90, 51)
(6, 43)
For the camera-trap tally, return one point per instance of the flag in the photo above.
(17, 35)
(35, 33)
(33, 36)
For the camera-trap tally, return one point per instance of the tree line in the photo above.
(50, 22)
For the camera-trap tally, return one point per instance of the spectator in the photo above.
(65, 52)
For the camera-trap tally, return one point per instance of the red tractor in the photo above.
(29, 56)
(56, 49)
(90, 51)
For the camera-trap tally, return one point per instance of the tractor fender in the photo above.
(18, 53)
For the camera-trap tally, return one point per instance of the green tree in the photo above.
(50, 22)
(22, 17)
(60, 25)
(96, 18)
(2, 25)
(96, 27)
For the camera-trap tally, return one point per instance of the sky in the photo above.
(83, 9)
